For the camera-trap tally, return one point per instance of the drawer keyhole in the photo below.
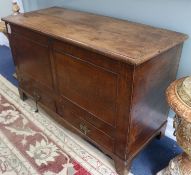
(84, 128)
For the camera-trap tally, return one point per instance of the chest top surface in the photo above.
(122, 40)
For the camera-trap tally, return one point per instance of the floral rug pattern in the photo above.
(31, 143)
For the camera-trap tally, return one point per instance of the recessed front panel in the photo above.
(32, 58)
(88, 86)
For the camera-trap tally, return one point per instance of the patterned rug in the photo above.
(32, 143)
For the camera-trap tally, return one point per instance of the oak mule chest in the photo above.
(100, 77)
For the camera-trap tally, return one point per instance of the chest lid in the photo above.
(120, 39)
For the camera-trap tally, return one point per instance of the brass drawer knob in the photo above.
(84, 128)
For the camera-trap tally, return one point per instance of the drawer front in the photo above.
(85, 127)
(90, 87)
(37, 91)
(102, 126)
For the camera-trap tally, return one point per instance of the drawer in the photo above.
(82, 113)
(85, 127)
(37, 91)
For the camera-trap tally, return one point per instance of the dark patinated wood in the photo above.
(100, 77)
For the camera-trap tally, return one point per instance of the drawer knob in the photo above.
(84, 128)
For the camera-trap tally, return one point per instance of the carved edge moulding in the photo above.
(179, 99)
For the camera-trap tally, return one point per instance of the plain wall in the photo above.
(170, 14)
(5, 8)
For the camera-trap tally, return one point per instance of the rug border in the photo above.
(84, 145)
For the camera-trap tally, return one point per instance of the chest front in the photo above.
(107, 86)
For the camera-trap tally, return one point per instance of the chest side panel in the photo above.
(149, 107)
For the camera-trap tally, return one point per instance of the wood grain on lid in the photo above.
(120, 39)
